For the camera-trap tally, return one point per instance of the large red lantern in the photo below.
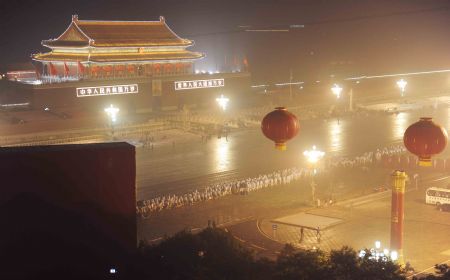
(280, 126)
(425, 139)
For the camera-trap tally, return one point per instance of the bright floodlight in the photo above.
(377, 244)
(394, 255)
(112, 112)
(402, 85)
(223, 102)
(336, 89)
(313, 155)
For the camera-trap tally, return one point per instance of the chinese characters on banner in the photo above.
(107, 90)
(180, 85)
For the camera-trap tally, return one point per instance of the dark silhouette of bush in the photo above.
(31, 248)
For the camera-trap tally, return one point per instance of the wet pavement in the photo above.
(426, 234)
(192, 164)
(188, 165)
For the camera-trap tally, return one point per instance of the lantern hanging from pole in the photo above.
(425, 139)
(280, 126)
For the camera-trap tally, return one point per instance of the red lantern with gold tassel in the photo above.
(280, 126)
(425, 139)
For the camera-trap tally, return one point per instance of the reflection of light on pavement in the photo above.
(400, 125)
(222, 154)
(335, 134)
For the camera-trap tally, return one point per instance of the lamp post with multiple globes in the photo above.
(112, 112)
(223, 101)
(336, 90)
(313, 157)
(402, 85)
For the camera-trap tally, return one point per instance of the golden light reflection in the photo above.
(222, 154)
(400, 125)
(335, 134)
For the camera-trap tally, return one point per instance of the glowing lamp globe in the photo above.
(425, 139)
(280, 126)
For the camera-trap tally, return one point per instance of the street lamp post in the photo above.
(402, 85)
(337, 90)
(313, 156)
(222, 101)
(186, 118)
(290, 84)
(112, 112)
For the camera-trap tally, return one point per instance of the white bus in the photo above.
(437, 196)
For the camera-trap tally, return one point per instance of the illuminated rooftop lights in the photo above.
(223, 102)
(336, 89)
(313, 155)
(402, 85)
(112, 112)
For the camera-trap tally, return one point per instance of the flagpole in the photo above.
(290, 84)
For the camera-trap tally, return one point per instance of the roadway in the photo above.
(192, 164)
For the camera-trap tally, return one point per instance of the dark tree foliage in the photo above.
(211, 254)
(442, 273)
(343, 264)
(37, 253)
(292, 264)
(215, 254)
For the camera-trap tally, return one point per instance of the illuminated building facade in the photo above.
(91, 49)
(138, 66)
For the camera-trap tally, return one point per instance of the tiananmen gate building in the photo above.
(136, 65)
(104, 49)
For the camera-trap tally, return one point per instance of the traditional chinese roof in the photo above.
(94, 33)
(118, 57)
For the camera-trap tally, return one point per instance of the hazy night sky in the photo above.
(340, 37)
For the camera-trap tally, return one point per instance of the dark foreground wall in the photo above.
(49, 189)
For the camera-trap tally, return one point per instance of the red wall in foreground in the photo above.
(96, 181)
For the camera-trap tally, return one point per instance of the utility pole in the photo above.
(290, 84)
(350, 104)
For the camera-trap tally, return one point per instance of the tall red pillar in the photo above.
(397, 212)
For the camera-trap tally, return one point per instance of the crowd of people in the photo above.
(244, 186)
(367, 159)
(145, 208)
